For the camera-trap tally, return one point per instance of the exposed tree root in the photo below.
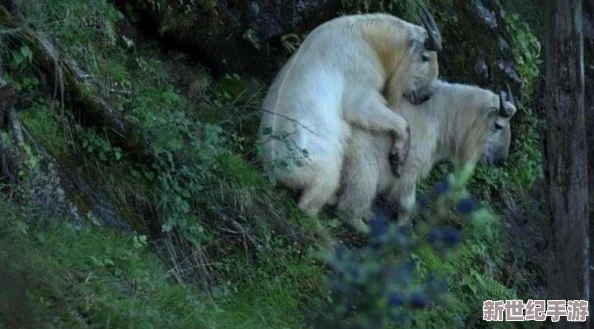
(68, 78)
(8, 98)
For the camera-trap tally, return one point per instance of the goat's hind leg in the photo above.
(321, 188)
(359, 189)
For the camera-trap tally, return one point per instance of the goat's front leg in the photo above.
(372, 114)
(404, 196)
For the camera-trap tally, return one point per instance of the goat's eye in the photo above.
(497, 126)
(425, 57)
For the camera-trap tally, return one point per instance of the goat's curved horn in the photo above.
(433, 41)
(501, 103)
(510, 96)
(504, 112)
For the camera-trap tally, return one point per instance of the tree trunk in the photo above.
(566, 156)
(588, 25)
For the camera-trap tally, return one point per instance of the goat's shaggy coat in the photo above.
(459, 121)
(334, 81)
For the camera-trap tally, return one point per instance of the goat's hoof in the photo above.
(396, 164)
(360, 226)
(399, 154)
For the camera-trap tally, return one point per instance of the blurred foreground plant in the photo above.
(381, 283)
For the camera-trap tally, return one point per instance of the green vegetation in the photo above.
(222, 261)
(408, 286)
(62, 276)
(177, 16)
(524, 165)
(215, 246)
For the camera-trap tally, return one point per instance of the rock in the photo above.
(486, 16)
(509, 68)
(232, 36)
(64, 194)
(481, 68)
(92, 202)
(477, 47)
(504, 45)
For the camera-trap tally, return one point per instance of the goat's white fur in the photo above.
(455, 123)
(334, 81)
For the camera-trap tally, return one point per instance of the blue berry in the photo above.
(442, 186)
(379, 225)
(405, 230)
(466, 205)
(403, 235)
(434, 285)
(402, 274)
(340, 252)
(422, 201)
(410, 266)
(395, 299)
(418, 300)
(435, 237)
(431, 278)
(451, 236)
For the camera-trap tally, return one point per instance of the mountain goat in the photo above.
(459, 121)
(337, 79)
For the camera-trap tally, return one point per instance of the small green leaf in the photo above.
(26, 52)
(17, 58)
(185, 193)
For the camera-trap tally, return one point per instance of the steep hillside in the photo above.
(132, 197)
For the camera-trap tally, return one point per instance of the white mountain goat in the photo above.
(334, 81)
(459, 121)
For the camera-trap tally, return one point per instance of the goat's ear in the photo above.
(489, 112)
(415, 46)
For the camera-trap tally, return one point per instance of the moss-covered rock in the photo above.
(230, 36)
(477, 45)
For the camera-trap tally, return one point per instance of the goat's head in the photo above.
(498, 139)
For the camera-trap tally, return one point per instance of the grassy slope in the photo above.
(79, 278)
(96, 277)
(97, 272)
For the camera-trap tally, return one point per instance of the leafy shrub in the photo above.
(525, 161)
(406, 9)
(381, 282)
(433, 275)
(54, 275)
